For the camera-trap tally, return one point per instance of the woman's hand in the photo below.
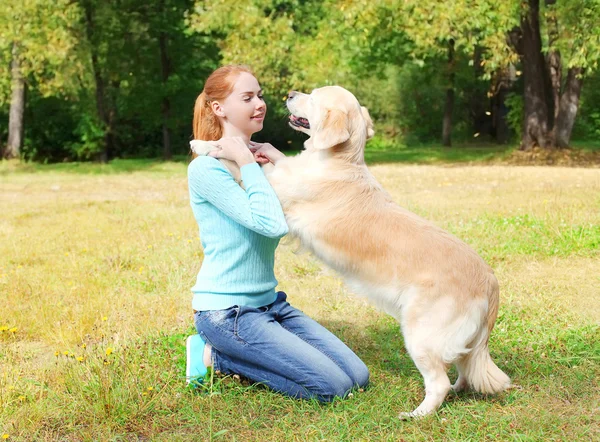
(265, 151)
(233, 149)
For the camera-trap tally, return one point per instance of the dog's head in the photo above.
(333, 118)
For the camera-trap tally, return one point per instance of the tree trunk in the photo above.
(17, 108)
(554, 62)
(569, 104)
(477, 99)
(536, 81)
(165, 64)
(101, 107)
(555, 70)
(447, 123)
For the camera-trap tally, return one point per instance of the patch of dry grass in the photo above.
(94, 284)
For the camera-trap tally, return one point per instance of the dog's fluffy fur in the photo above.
(442, 293)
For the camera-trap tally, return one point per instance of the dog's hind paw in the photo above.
(405, 415)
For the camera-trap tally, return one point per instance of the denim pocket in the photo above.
(225, 320)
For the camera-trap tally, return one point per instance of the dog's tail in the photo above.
(481, 373)
(477, 367)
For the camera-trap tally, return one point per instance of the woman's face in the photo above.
(245, 108)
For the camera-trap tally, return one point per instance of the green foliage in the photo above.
(391, 53)
(587, 125)
(579, 37)
(45, 32)
(514, 102)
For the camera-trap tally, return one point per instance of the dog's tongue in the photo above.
(299, 120)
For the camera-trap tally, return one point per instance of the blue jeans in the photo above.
(282, 348)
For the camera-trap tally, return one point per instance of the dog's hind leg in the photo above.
(462, 382)
(434, 370)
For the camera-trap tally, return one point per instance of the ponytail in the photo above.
(206, 124)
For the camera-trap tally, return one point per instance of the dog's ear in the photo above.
(365, 113)
(332, 130)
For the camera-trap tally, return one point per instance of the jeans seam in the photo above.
(236, 327)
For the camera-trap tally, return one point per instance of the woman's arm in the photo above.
(257, 208)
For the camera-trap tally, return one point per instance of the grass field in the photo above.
(95, 271)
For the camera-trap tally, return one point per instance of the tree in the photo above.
(578, 46)
(17, 107)
(551, 104)
(446, 32)
(536, 81)
(35, 37)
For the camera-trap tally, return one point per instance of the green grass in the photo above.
(94, 285)
(436, 154)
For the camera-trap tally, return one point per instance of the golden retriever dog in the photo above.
(443, 294)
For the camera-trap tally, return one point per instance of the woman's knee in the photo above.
(360, 374)
(331, 387)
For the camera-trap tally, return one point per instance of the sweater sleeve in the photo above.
(257, 208)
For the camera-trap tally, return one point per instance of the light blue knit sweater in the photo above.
(240, 230)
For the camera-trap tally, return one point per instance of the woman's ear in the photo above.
(217, 108)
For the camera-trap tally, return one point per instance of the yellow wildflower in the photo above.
(5, 436)
(80, 358)
(150, 388)
(105, 318)
(13, 330)
(109, 351)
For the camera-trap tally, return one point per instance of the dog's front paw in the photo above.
(200, 147)
(405, 416)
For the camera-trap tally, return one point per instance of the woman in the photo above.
(244, 326)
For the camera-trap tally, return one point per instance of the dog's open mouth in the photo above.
(299, 121)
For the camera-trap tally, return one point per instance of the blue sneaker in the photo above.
(195, 369)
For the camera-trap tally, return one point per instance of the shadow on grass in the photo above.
(383, 348)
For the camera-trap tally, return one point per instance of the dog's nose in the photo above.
(291, 94)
